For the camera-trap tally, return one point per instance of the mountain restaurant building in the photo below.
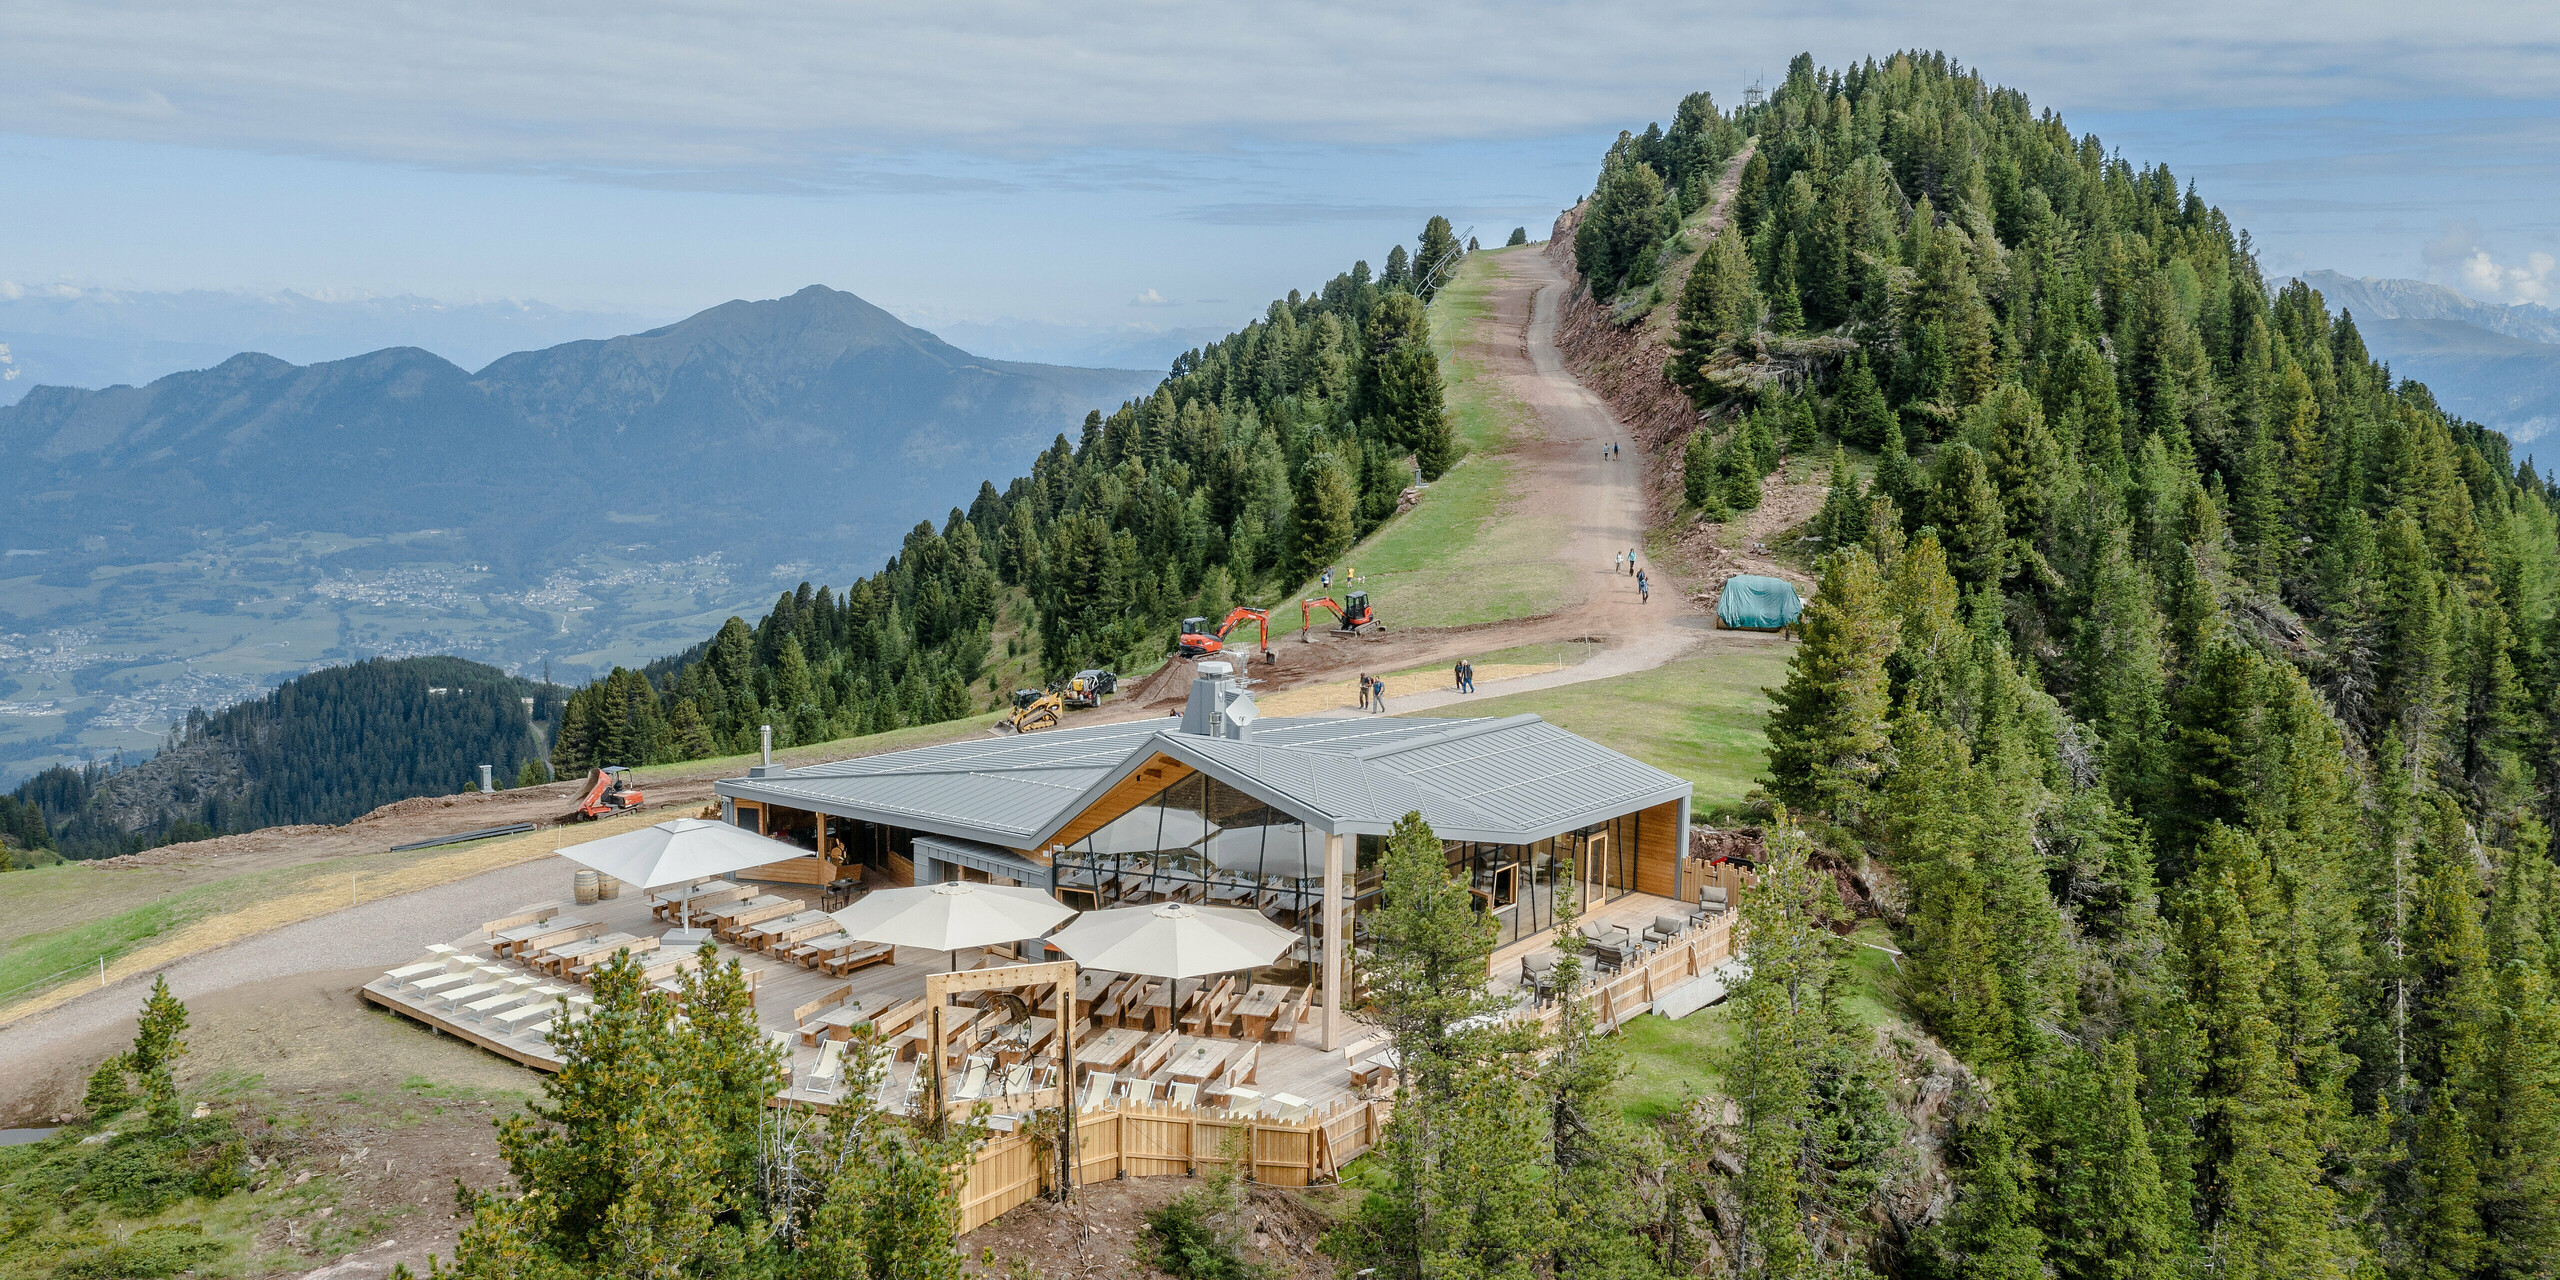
(1221, 808)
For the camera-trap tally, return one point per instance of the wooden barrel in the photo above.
(587, 887)
(607, 886)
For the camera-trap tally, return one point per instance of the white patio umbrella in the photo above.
(1173, 940)
(952, 915)
(680, 851)
(1294, 850)
(1147, 829)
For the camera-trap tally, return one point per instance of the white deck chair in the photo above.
(1185, 1093)
(975, 1086)
(1286, 1106)
(1244, 1102)
(1017, 1078)
(1097, 1088)
(823, 1077)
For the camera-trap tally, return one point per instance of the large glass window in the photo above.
(1200, 840)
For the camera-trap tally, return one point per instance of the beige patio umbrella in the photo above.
(952, 915)
(1173, 940)
(680, 851)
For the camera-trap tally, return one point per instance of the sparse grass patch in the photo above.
(1699, 717)
(1466, 554)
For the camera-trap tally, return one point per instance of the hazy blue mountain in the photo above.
(2419, 300)
(2496, 365)
(196, 539)
(78, 337)
(814, 424)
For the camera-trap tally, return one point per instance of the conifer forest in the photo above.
(1261, 458)
(2180, 687)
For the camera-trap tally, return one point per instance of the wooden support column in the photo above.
(1335, 914)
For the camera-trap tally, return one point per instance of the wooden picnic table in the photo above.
(790, 928)
(1111, 1050)
(1198, 1063)
(1260, 1006)
(527, 936)
(671, 906)
(594, 951)
(1090, 984)
(756, 911)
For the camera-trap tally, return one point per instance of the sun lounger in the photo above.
(1286, 1106)
(424, 969)
(455, 998)
(545, 1004)
(1097, 1088)
(822, 1077)
(1244, 1102)
(974, 1085)
(516, 992)
(445, 980)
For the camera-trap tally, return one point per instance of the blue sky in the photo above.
(1155, 164)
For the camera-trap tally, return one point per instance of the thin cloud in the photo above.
(714, 90)
(1151, 298)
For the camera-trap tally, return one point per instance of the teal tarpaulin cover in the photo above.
(1755, 601)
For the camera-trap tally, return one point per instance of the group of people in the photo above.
(1373, 693)
(1609, 452)
(1644, 585)
(1325, 579)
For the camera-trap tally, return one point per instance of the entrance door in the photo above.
(1595, 867)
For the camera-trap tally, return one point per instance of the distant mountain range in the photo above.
(2496, 365)
(809, 425)
(86, 337)
(193, 540)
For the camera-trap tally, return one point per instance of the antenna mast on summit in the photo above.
(1755, 95)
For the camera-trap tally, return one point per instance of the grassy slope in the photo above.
(1699, 717)
(1669, 1062)
(1466, 553)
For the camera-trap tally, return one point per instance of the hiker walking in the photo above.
(1377, 696)
(1326, 578)
(1364, 690)
(1631, 559)
(1620, 565)
(1644, 589)
(1466, 675)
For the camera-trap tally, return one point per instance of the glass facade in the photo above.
(1200, 840)
(1520, 885)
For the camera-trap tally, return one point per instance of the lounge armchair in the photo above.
(1538, 974)
(1665, 929)
(1712, 902)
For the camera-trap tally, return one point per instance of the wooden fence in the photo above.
(1148, 1140)
(1632, 990)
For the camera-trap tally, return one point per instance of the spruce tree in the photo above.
(1864, 417)
(1827, 735)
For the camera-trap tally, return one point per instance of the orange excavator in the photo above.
(1352, 616)
(1198, 641)
(609, 790)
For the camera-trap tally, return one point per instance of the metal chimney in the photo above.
(768, 769)
(1208, 698)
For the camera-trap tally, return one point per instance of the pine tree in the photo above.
(1320, 525)
(1827, 736)
(1437, 250)
(1519, 236)
(1865, 419)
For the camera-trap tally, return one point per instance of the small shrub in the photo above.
(1202, 1234)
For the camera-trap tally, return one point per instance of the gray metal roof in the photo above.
(1513, 780)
